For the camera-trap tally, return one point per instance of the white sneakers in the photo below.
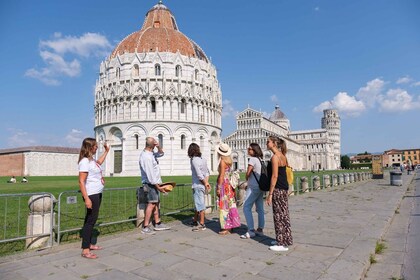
(248, 234)
(279, 248)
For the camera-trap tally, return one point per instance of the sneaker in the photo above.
(200, 227)
(147, 230)
(248, 234)
(161, 226)
(279, 248)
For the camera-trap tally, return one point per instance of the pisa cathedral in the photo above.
(158, 82)
(314, 149)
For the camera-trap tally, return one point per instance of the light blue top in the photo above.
(149, 168)
(199, 170)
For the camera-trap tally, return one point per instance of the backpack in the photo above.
(264, 182)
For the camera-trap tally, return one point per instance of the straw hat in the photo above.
(169, 186)
(224, 149)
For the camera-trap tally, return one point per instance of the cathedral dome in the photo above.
(159, 33)
(277, 114)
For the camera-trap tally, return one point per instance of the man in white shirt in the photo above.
(151, 180)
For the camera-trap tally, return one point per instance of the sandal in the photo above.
(224, 232)
(89, 255)
(95, 247)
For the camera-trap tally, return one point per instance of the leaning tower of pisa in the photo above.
(331, 122)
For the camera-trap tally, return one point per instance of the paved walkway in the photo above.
(335, 233)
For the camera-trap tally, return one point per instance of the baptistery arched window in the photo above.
(182, 106)
(118, 72)
(160, 139)
(137, 141)
(135, 71)
(178, 71)
(182, 142)
(157, 70)
(196, 74)
(153, 105)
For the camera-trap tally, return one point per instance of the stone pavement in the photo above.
(335, 233)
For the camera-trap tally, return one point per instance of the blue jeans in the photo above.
(254, 196)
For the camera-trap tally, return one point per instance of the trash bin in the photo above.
(396, 178)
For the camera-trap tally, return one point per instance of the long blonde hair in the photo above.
(227, 160)
(86, 149)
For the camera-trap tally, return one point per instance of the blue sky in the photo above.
(361, 57)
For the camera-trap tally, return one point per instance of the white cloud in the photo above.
(404, 80)
(20, 138)
(316, 9)
(228, 109)
(321, 107)
(274, 99)
(416, 84)
(371, 92)
(74, 137)
(85, 45)
(347, 105)
(53, 54)
(398, 100)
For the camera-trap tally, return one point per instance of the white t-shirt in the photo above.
(93, 182)
(256, 164)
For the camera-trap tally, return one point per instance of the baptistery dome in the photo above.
(159, 33)
(157, 82)
(278, 117)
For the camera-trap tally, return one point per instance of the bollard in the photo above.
(141, 206)
(351, 177)
(208, 203)
(304, 184)
(334, 180)
(346, 178)
(316, 183)
(340, 179)
(241, 191)
(39, 220)
(327, 183)
(292, 189)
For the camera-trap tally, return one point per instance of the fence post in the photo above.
(304, 184)
(40, 220)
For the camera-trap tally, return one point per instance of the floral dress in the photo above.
(228, 213)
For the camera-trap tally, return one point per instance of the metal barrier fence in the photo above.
(119, 205)
(20, 212)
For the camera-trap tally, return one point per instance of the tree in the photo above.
(345, 162)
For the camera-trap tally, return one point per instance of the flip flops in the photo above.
(89, 255)
(224, 232)
(95, 247)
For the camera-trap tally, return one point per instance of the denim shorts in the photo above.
(151, 193)
(199, 192)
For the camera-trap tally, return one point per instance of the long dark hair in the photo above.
(257, 150)
(194, 150)
(86, 149)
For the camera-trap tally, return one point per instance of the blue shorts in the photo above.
(199, 192)
(151, 193)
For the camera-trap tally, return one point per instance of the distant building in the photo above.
(39, 161)
(314, 149)
(392, 157)
(411, 155)
(361, 159)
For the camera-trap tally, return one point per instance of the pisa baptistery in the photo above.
(157, 82)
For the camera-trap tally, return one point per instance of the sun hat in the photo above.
(224, 149)
(169, 186)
